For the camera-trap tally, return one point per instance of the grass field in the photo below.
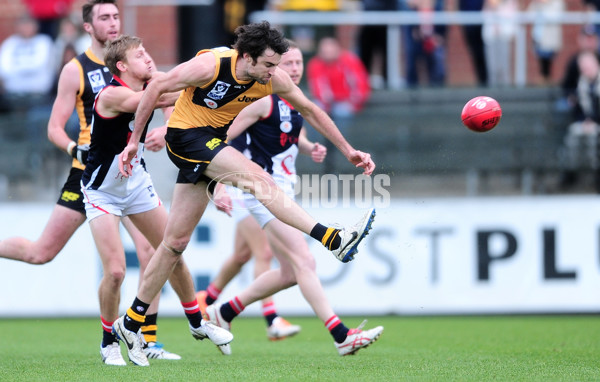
(521, 348)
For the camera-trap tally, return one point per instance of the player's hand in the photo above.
(81, 153)
(125, 159)
(318, 153)
(155, 139)
(222, 200)
(362, 160)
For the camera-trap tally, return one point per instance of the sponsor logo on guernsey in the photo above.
(219, 90)
(285, 126)
(96, 80)
(211, 103)
(247, 99)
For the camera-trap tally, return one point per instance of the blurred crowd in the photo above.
(345, 63)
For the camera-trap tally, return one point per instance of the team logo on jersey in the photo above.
(219, 90)
(210, 103)
(96, 80)
(285, 113)
(285, 126)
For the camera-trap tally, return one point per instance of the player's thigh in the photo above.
(61, 226)
(143, 247)
(231, 166)
(288, 245)
(151, 224)
(187, 206)
(105, 230)
(255, 237)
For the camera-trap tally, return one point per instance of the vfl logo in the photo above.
(197, 168)
(219, 90)
(96, 80)
(213, 143)
(69, 196)
(285, 113)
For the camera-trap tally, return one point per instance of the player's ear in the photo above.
(121, 66)
(87, 27)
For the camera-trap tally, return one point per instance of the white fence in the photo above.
(426, 256)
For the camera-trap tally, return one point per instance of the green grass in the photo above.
(521, 348)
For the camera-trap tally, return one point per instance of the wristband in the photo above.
(70, 147)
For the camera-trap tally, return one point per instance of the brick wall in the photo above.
(157, 26)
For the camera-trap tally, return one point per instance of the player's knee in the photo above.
(175, 247)
(115, 275)
(41, 258)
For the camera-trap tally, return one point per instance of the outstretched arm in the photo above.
(316, 117)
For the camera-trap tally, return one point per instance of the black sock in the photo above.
(108, 338)
(327, 236)
(135, 316)
(209, 300)
(339, 333)
(270, 318)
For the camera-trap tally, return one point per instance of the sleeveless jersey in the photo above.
(274, 140)
(93, 77)
(109, 138)
(217, 103)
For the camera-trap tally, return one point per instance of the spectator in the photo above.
(587, 41)
(70, 34)
(499, 30)
(48, 14)
(546, 33)
(339, 83)
(372, 41)
(27, 71)
(582, 136)
(474, 39)
(425, 50)
(24, 60)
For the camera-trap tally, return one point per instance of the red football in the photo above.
(481, 114)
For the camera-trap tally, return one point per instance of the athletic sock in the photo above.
(231, 309)
(107, 335)
(328, 236)
(338, 330)
(269, 312)
(136, 315)
(149, 328)
(192, 312)
(212, 294)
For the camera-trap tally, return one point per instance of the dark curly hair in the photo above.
(255, 38)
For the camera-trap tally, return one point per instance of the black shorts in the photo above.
(192, 150)
(70, 195)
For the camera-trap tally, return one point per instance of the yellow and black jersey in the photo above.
(217, 103)
(93, 77)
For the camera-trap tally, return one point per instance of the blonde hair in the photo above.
(117, 49)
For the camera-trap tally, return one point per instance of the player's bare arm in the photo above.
(250, 115)
(316, 117)
(119, 99)
(317, 151)
(68, 87)
(195, 72)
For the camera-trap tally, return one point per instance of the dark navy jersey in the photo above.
(109, 138)
(274, 139)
